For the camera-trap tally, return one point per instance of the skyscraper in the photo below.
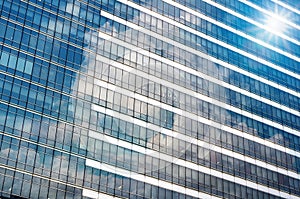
(149, 99)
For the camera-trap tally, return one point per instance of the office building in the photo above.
(149, 99)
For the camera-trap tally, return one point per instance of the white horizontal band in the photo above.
(147, 179)
(240, 33)
(270, 14)
(96, 195)
(237, 132)
(250, 21)
(184, 138)
(286, 6)
(197, 73)
(203, 97)
(193, 31)
(204, 76)
(181, 112)
(168, 185)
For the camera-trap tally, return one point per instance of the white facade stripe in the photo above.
(240, 33)
(96, 195)
(154, 181)
(251, 21)
(191, 30)
(194, 72)
(201, 119)
(203, 97)
(213, 59)
(270, 14)
(286, 6)
(180, 137)
(147, 179)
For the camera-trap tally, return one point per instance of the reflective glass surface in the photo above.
(148, 99)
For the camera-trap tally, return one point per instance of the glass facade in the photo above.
(149, 99)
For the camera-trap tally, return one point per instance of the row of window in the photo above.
(242, 25)
(82, 115)
(141, 136)
(78, 11)
(15, 184)
(40, 45)
(36, 129)
(199, 85)
(115, 51)
(12, 62)
(61, 111)
(43, 101)
(52, 103)
(30, 159)
(61, 52)
(255, 14)
(129, 13)
(227, 36)
(174, 91)
(223, 53)
(66, 168)
(17, 63)
(216, 71)
(283, 81)
(252, 13)
(193, 153)
(59, 24)
(22, 65)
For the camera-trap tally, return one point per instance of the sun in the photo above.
(274, 25)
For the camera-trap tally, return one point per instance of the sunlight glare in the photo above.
(274, 25)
